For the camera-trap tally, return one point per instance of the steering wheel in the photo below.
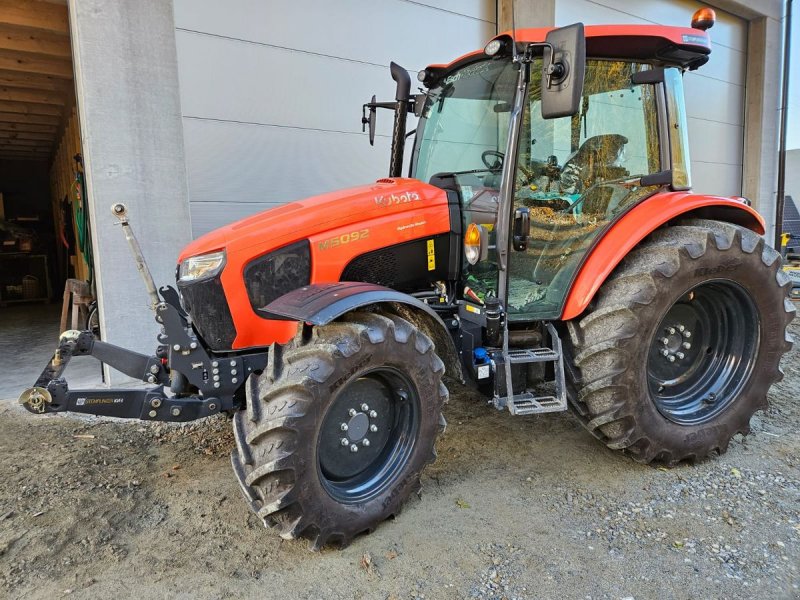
(498, 162)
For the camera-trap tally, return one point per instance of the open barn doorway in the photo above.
(45, 229)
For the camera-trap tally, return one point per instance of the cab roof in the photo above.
(685, 47)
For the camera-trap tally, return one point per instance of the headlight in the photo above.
(203, 266)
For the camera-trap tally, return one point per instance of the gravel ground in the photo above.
(526, 507)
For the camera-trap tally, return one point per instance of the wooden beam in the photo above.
(41, 16)
(19, 61)
(25, 143)
(27, 127)
(26, 135)
(30, 109)
(26, 157)
(34, 42)
(11, 117)
(14, 94)
(25, 151)
(34, 81)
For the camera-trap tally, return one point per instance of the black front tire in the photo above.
(617, 384)
(293, 472)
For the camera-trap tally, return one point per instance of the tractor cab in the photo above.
(618, 137)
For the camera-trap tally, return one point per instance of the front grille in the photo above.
(207, 306)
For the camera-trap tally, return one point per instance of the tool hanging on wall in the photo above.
(81, 215)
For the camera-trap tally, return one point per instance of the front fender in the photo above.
(637, 224)
(321, 303)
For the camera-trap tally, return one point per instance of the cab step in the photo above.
(527, 402)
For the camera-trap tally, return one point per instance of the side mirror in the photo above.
(563, 71)
(522, 228)
(369, 121)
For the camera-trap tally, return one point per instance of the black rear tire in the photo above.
(374, 373)
(639, 383)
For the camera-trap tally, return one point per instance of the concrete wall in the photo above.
(128, 103)
(272, 91)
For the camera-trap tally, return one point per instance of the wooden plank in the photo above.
(19, 61)
(15, 94)
(10, 117)
(25, 151)
(34, 81)
(39, 158)
(5, 143)
(28, 127)
(26, 135)
(43, 16)
(30, 109)
(38, 43)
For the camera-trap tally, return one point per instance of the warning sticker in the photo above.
(431, 256)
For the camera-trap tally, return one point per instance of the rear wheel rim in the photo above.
(703, 352)
(368, 435)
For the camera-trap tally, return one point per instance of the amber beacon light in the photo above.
(704, 19)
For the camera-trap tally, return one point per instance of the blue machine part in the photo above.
(480, 356)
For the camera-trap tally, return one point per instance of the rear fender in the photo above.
(322, 303)
(637, 224)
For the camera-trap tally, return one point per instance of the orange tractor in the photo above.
(545, 247)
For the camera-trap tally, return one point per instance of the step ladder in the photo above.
(528, 403)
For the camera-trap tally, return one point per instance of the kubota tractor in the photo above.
(545, 247)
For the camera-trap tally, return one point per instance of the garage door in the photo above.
(271, 92)
(714, 93)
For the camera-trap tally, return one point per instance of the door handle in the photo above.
(522, 228)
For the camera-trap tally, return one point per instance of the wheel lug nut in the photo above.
(671, 330)
(372, 414)
(353, 448)
(364, 407)
(681, 328)
(365, 442)
(373, 428)
(680, 355)
(686, 345)
(344, 442)
(664, 352)
(671, 358)
(687, 334)
(344, 427)
(352, 412)
(665, 341)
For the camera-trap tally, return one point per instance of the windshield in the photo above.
(464, 124)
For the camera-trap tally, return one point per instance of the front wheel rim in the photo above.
(368, 435)
(703, 351)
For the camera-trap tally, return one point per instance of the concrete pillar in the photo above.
(126, 78)
(528, 13)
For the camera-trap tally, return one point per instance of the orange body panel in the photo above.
(534, 35)
(637, 224)
(339, 226)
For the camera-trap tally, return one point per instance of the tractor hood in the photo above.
(298, 220)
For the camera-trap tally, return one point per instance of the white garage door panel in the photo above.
(713, 100)
(715, 142)
(478, 9)
(725, 64)
(727, 31)
(716, 179)
(238, 81)
(254, 166)
(411, 34)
